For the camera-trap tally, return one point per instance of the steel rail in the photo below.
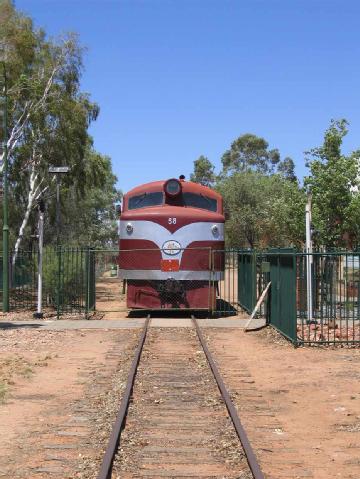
(240, 431)
(114, 441)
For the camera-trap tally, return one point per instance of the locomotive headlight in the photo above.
(129, 228)
(215, 230)
(172, 187)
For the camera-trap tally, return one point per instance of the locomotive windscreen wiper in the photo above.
(140, 199)
(154, 198)
(206, 198)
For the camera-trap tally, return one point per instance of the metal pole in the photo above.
(58, 218)
(39, 313)
(5, 206)
(309, 260)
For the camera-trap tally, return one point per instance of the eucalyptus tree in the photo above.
(203, 171)
(49, 115)
(262, 210)
(333, 183)
(250, 153)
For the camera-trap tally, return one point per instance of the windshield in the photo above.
(146, 199)
(199, 201)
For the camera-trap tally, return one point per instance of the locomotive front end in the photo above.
(171, 245)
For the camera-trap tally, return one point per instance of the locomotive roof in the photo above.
(187, 186)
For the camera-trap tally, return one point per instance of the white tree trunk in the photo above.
(32, 194)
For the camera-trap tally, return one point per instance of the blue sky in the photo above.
(179, 78)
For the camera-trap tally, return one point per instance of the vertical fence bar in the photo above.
(87, 283)
(58, 282)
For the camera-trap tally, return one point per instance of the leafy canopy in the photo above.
(203, 171)
(333, 182)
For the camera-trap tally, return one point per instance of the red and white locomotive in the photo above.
(171, 245)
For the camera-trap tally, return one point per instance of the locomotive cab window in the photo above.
(195, 200)
(145, 200)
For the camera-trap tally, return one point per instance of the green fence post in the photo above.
(293, 310)
(58, 282)
(254, 281)
(87, 281)
(283, 292)
(92, 285)
(90, 281)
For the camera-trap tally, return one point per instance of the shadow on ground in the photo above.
(223, 309)
(6, 325)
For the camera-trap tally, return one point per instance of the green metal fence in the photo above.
(327, 311)
(226, 296)
(73, 280)
(333, 314)
(282, 298)
(247, 280)
(68, 280)
(253, 276)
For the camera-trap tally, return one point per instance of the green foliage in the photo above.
(264, 204)
(332, 182)
(262, 210)
(55, 133)
(286, 168)
(250, 153)
(203, 171)
(91, 219)
(352, 222)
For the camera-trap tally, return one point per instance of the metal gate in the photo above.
(283, 291)
(247, 280)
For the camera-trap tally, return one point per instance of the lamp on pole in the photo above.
(57, 171)
(4, 150)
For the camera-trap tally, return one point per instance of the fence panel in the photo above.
(225, 282)
(71, 279)
(247, 280)
(68, 276)
(283, 292)
(335, 315)
(23, 273)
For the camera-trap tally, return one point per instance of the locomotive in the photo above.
(171, 245)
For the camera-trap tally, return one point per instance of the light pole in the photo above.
(57, 171)
(5, 259)
(309, 259)
(41, 208)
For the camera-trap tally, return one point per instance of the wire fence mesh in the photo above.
(319, 308)
(333, 315)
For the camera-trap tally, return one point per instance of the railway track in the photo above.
(176, 422)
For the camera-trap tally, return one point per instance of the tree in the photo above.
(262, 210)
(352, 222)
(263, 201)
(91, 218)
(333, 181)
(286, 168)
(49, 118)
(250, 153)
(203, 171)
